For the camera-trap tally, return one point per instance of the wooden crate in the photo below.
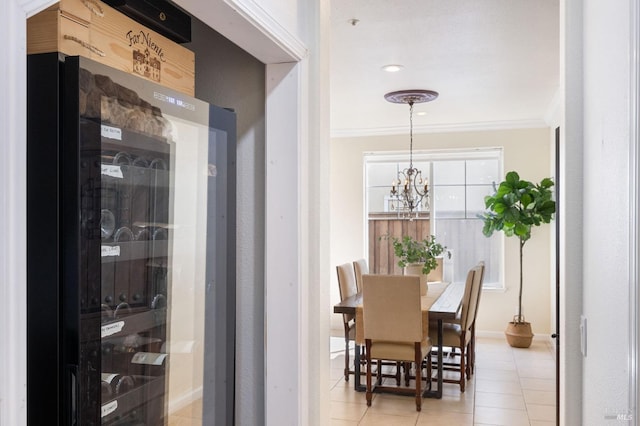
(94, 30)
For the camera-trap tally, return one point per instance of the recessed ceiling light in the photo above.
(421, 113)
(392, 68)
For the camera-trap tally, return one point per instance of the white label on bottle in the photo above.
(113, 328)
(110, 251)
(109, 407)
(148, 358)
(111, 132)
(111, 170)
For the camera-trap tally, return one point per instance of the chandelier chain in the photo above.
(411, 134)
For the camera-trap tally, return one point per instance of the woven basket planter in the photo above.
(519, 334)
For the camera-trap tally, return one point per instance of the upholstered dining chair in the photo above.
(475, 298)
(360, 268)
(458, 334)
(437, 274)
(394, 328)
(472, 352)
(347, 284)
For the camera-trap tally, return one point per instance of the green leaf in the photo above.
(548, 207)
(499, 207)
(504, 189)
(512, 198)
(546, 183)
(512, 215)
(488, 201)
(508, 230)
(521, 229)
(512, 178)
(488, 228)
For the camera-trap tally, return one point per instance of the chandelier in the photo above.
(410, 191)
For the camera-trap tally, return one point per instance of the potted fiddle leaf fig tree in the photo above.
(517, 206)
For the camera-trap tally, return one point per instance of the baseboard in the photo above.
(490, 334)
(184, 400)
(500, 335)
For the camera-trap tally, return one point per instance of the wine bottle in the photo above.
(150, 363)
(107, 392)
(119, 384)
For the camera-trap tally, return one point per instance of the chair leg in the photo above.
(346, 351)
(398, 372)
(463, 380)
(407, 373)
(418, 361)
(346, 359)
(469, 361)
(472, 352)
(368, 356)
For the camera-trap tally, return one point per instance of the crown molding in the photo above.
(264, 22)
(31, 7)
(442, 128)
(251, 27)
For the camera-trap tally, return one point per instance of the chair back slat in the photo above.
(392, 308)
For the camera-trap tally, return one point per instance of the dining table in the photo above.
(442, 303)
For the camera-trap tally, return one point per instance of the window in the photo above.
(459, 181)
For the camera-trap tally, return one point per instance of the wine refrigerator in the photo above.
(131, 250)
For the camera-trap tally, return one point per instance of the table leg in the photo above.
(438, 392)
(440, 337)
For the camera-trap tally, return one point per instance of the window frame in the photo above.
(431, 157)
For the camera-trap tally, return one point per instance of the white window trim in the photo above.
(433, 156)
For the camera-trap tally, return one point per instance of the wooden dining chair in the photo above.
(458, 334)
(360, 268)
(394, 329)
(347, 284)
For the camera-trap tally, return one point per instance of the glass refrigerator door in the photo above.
(152, 232)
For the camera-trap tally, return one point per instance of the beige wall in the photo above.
(528, 151)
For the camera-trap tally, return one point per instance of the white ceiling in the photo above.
(495, 63)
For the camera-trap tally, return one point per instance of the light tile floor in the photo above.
(191, 415)
(511, 387)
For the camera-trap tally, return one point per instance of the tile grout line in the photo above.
(475, 394)
(526, 409)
